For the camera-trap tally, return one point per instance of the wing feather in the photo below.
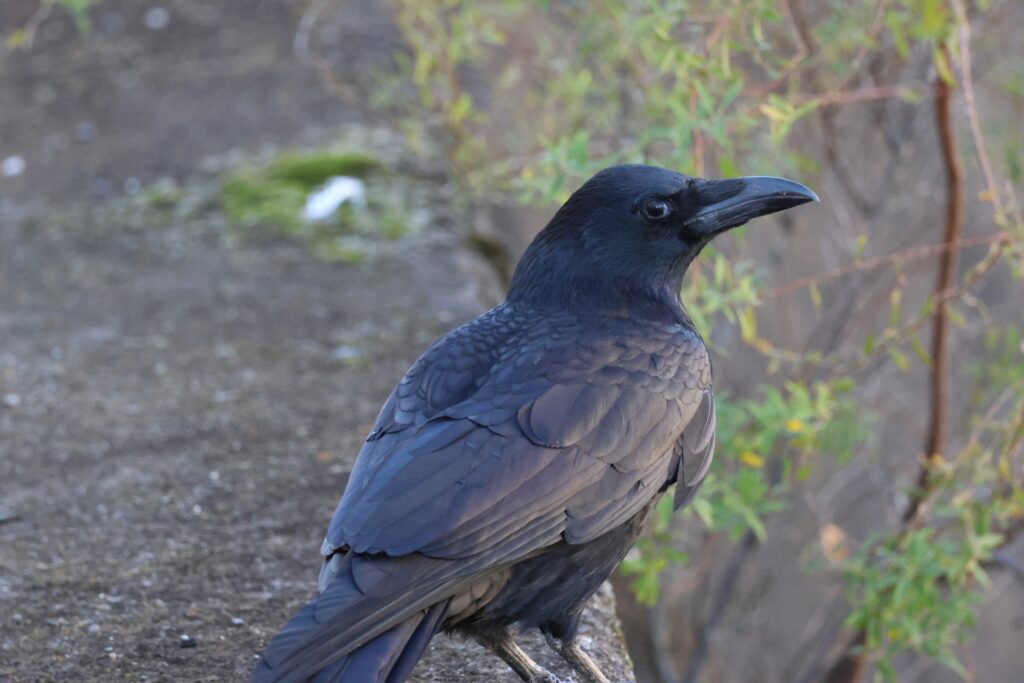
(696, 448)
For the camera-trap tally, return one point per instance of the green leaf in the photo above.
(895, 299)
(869, 345)
(899, 360)
(942, 66)
(703, 508)
(921, 353)
(755, 524)
(843, 384)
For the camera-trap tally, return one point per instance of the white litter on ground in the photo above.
(12, 166)
(321, 204)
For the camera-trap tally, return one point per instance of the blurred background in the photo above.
(227, 228)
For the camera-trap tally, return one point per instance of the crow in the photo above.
(513, 466)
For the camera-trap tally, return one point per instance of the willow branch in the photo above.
(935, 440)
(967, 82)
(899, 258)
(850, 666)
(869, 94)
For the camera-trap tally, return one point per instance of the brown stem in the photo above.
(947, 268)
(849, 668)
(867, 94)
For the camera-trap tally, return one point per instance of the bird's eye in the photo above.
(656, 208)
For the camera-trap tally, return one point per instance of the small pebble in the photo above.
(86, 131)
(186, 641)
(346, 352)
(12, 166)
(237, 621)
(156, 18)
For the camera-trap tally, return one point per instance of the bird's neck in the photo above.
(576, 288)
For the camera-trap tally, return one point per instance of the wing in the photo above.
(571, 431)
(696, 448)
(508, 436)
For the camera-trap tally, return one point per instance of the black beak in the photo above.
(732, 202)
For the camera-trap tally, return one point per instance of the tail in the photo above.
(332, 640)
(388, 658)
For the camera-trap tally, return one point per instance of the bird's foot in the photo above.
(576, 658)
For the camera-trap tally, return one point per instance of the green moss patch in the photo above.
(270, 199)
(311, 170)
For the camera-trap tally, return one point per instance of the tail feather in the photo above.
(323, 650)
(388, 658)
(414, 648)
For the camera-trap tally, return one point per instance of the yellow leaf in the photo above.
(16, 39)
(774, 113)
(752, 459)
(762, 345)
(942, 66)
(748, 324)
(795, 426)
(815, 296)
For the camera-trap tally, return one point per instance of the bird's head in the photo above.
(625, 239)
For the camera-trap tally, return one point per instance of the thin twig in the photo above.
(28, 32)
(876, 27)
(862, 265)
(967, 82)
(300, 44)
(870, 94)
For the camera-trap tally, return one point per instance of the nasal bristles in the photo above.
(718, 191)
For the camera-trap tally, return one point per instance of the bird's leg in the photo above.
(500, 642)
(575, 657)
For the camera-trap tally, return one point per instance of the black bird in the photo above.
(512, 468)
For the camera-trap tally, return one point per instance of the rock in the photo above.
(449, 660)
